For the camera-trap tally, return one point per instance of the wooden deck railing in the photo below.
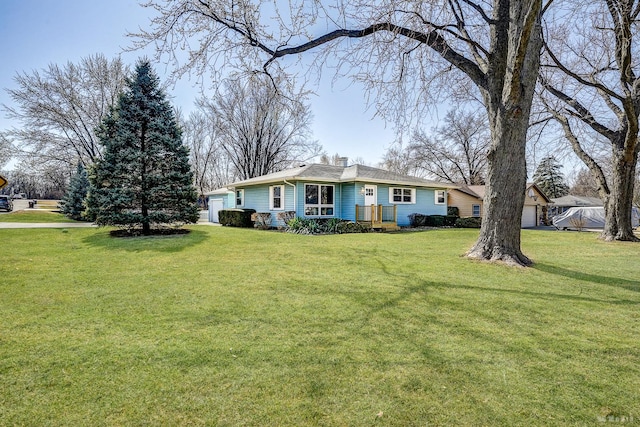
(379, 216)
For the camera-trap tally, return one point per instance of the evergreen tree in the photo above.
(73, 203)
(549, 178)
(144, 179)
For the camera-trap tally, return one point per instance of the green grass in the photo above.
(234, 327)
(34, 216)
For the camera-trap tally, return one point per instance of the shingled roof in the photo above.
(330, 173)
(570, 201)
(478, 191)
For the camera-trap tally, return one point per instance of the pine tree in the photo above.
(549, 178)
(144, 179)
(72, 204)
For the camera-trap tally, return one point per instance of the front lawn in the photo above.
(34, 216)
(235, 327)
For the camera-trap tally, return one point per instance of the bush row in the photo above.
(420, 220)
(469, 222)
(250, 218)
(236, 217)
(324, 226)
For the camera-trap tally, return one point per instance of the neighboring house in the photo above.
(355, 193)
(562, 204)
(470, 202)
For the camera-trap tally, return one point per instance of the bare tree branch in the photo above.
(604, 52)
(259, 130)
(581, 112)
(578, 78)
(60, 107)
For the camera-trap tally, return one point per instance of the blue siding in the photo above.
(257, 197)
(299, 199)
(346, 196)
(425, 202)
(348, 207)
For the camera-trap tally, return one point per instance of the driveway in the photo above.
(23, 204)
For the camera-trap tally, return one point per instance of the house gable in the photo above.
(465, 202)
(535, 196)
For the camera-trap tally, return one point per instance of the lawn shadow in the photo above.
(545, 295)
(631, 285)
(163, 243)
(418, 285)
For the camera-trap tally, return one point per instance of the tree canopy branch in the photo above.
(580, 79)
(431, 39)
(580, 111)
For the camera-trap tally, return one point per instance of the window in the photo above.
(276, 198)
(475, 210)
(318, 200)
(239, 198)
(441, 197)
(402, 195)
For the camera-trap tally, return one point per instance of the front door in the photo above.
(370, 199)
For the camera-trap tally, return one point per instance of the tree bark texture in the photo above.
(508, 95)
(499, 238)
(618, 201)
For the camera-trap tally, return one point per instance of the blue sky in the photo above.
(36, 33)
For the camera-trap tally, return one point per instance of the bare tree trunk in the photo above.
(499, 238)
(508, 96)
(617, 204)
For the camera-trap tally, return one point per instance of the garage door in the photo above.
(215, 205)
(529, 217)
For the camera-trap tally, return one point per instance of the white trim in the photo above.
(241, 204)
(271, 197)
(436, 197)
(412, 195)
(473, 214)
(320, 206)
(374, 191)
(295, 194)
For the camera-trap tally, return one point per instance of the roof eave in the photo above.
(347, 180)
(438, 185)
